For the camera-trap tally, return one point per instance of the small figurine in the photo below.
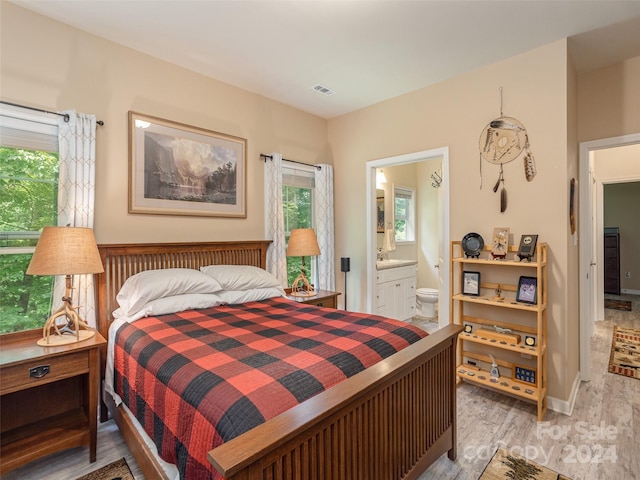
(498, 293)
(502, 330)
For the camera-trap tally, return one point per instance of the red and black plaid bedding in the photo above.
(198, 378)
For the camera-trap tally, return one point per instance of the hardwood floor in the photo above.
(601, 440)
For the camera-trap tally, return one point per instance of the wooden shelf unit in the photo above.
(487, 311)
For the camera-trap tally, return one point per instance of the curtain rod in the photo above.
(65, 115)
(270, 157)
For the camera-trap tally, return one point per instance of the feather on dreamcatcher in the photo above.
(503, 140)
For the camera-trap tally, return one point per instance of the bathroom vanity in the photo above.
(396, 288)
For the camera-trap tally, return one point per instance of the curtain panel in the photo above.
(274, 219)
(76, 197)
(324, 225)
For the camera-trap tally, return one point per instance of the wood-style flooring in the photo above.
(600, 440)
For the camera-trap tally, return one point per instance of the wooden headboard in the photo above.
(121, 261)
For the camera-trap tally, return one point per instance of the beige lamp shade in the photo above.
(65, 251)
(302, 242)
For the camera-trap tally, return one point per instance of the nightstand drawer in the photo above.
(41, 371)
(326, 302)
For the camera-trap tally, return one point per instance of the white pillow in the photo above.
(234, 297)
(180, 303)
(143, 287)
(241, 277)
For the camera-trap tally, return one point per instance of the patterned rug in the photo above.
(625, 352)
(118, 470)
(507, 465)
(624, 305)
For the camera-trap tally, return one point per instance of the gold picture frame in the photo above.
(178, 169)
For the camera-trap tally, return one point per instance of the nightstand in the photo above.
(324, 298)
(48, 397)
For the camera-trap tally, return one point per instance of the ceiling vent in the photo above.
(323, 90)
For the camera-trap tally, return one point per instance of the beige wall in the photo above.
(50, 65)
(428, 224)
(453, 113)
(609, 101)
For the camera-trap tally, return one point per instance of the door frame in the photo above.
(371, 166)
(589, 270)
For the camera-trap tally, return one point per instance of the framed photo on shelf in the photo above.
(178, 169)
(471, 283)
(527, 290)
(527, 247)
(524, 374)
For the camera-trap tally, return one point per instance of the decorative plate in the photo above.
(472, 244)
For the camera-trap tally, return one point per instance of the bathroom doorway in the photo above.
(442, 266)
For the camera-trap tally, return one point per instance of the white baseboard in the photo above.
(565, 406)
(630, 292)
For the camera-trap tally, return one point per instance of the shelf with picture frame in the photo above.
(505, 321)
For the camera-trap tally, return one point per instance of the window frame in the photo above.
(24, 129)
(409, 218)
(306, 175)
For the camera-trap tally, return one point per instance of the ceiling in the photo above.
(365, 51)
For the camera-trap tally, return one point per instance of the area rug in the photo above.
(118, 470)
(624, 305)
(507, 465)
(625, 352)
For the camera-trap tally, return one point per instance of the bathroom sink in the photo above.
(393, 262)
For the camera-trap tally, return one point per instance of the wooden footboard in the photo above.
(390, 421)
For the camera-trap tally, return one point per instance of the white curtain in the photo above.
(323, 208)
(274, 218)
(76, 197)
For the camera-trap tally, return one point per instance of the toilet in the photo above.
(426, 299)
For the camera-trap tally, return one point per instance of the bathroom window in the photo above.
(404, 213)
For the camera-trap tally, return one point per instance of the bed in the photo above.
(391, 420)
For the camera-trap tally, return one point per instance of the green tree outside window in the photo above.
(28, 202)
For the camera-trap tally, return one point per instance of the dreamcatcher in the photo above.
(502, 141)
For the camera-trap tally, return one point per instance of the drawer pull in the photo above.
(320, 304)
(39, 371)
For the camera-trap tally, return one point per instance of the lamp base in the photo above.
(302, 288)
(56, 340)
(303, 293)
(65, 334)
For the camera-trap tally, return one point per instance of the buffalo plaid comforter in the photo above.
(198, 378)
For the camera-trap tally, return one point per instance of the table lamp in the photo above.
(65, 251)
(302, 242)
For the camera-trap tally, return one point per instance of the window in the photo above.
(298, 184)
(404, 213)
(28, 202)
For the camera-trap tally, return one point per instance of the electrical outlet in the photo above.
(627, 274)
